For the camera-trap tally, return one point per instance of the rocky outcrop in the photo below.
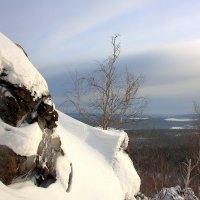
(173, 193)
(17, 108)
(21, 105)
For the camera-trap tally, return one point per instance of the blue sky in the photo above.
(159, 39)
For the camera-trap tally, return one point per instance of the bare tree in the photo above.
(191, 168)
(188, 172)
(108, 94)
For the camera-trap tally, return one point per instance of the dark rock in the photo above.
(48, 151)
(16, 103)
(8, 164)
(14, 166)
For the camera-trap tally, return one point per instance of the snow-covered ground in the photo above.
(179, 119)
(101, 168)
(177, 127)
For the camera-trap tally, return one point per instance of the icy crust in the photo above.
(22, 140)
(17, 69)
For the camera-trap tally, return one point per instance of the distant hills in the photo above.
(155, 121)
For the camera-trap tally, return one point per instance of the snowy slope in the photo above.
(101, 169)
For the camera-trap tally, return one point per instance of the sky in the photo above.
(159, 39)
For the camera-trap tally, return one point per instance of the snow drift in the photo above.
(104, 157)
(101, 168)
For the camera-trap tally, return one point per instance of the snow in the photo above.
(140, 118)
(63, 170)
(101, 168)
(177, 127)
(107, 147)
(179, 119)
(19, 69)
(129, 179)
(22, 140)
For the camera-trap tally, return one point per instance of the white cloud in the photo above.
(172, 89)
(90, 16)
(174, 71)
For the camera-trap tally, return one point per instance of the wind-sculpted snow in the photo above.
(128, 177)
(106, 142)
(105, 146)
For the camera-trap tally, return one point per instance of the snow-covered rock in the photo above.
(174, 193)
(18, 70)
(27, 120)
(88, 162)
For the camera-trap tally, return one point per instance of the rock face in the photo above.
(8, 164)
(24, 100)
